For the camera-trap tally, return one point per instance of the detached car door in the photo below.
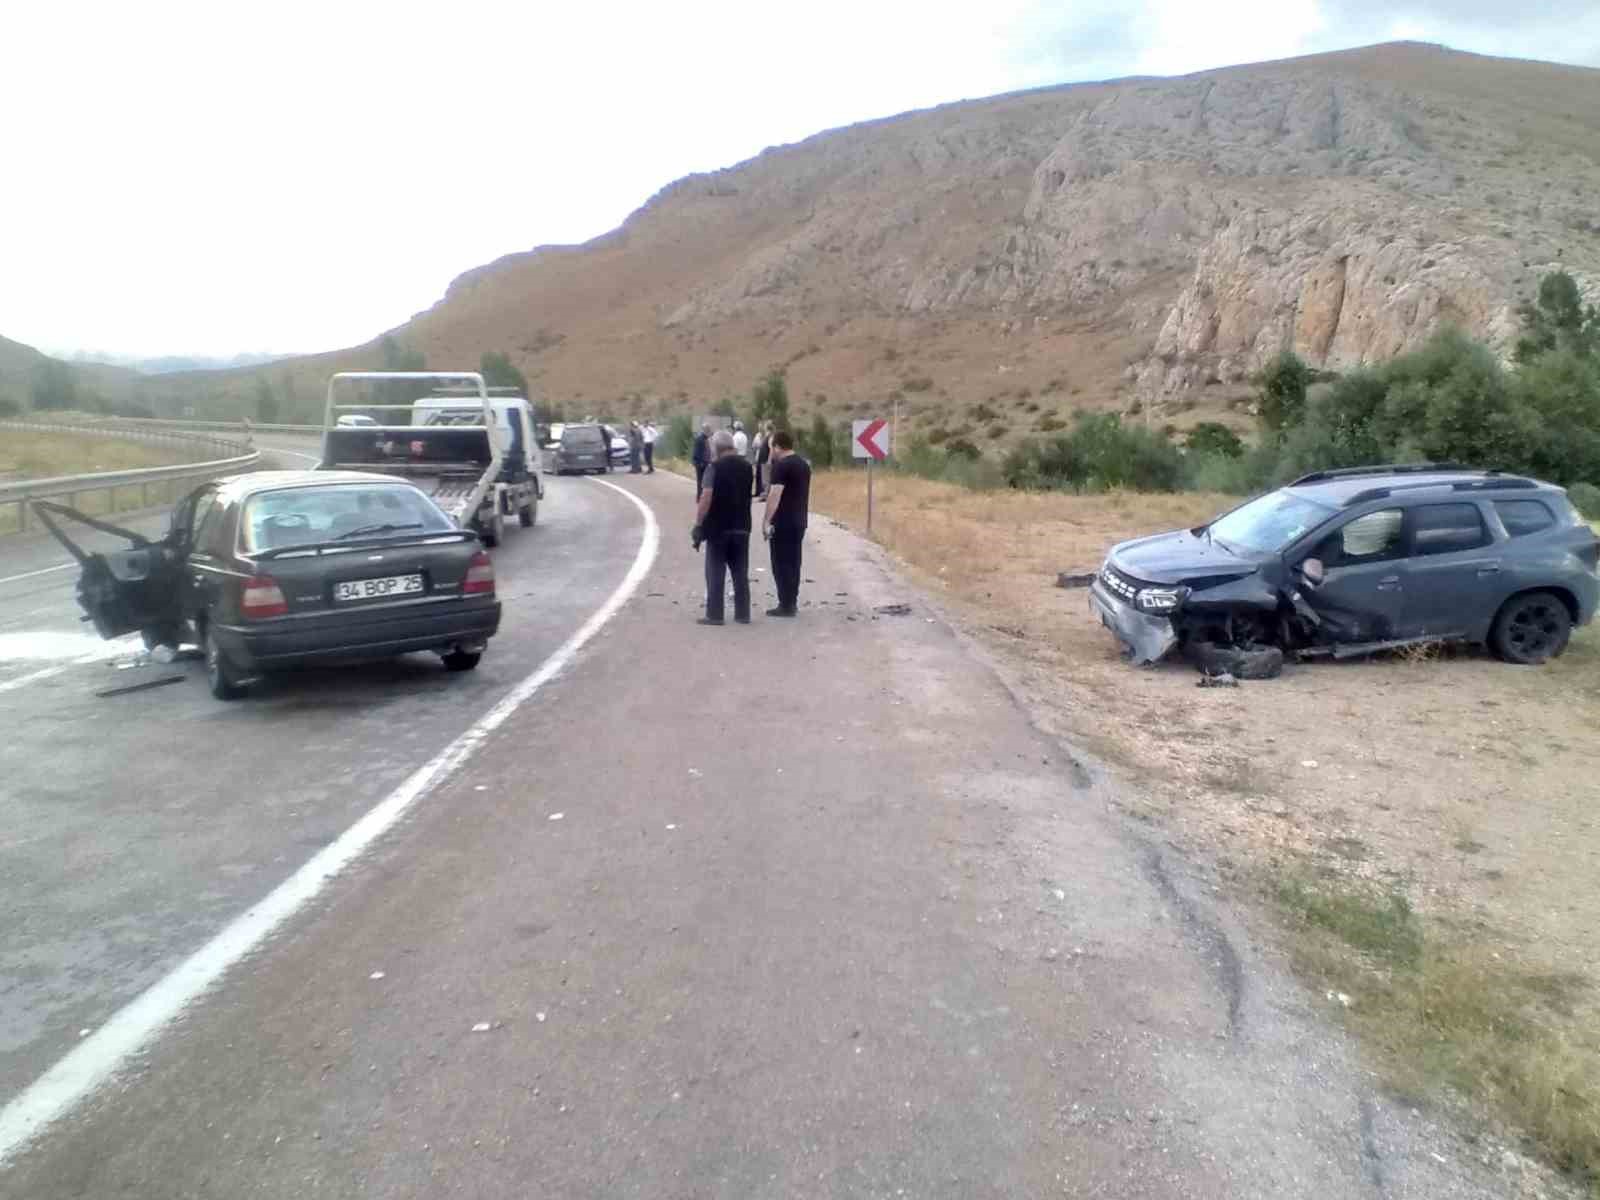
(1362, 595)
(1453, 566)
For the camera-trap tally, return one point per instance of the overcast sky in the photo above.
(221, 177)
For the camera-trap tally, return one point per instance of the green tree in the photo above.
(678, 441)
(498, 370)
(817, 444)
(395, 394)
(54, 386)
(1558, 320)
(769, 400)
(1282, 388)
(266, 402)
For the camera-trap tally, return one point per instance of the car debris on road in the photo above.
(1355, 562)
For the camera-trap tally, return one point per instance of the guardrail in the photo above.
(68, 488)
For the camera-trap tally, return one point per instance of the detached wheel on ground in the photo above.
(1258, 662)
(1532, 628)
(220, 675)
(461, 660)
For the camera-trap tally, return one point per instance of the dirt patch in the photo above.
(1448, 782)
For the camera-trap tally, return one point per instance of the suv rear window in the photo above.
(1522, 517)
(585, 437)
(1447, 529)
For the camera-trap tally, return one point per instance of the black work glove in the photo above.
(696, 536)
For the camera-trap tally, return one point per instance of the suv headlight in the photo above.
(1160, 600)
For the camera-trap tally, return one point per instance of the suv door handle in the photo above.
(1389, 583)
(1487, 570)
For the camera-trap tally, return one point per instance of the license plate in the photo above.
(377, 589)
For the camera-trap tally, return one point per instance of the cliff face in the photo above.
(1150, 241)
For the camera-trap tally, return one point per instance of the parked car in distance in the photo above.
(357, 420)
(1348, 562)
(290, 568)
(582, 448)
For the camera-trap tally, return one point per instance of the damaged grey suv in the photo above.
(1350, 562)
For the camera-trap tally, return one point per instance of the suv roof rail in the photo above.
(1388, 469)
(1488, 483)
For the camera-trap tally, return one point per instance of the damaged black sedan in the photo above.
(1350, 562)
(283, 569)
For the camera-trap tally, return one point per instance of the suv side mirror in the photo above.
(1314, 571)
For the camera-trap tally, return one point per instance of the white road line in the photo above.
(12, 685)
(100, 1055)
(41, 571)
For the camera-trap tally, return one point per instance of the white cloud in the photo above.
(215, 177)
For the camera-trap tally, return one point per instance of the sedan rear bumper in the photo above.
(1149, 639)
(307, 640)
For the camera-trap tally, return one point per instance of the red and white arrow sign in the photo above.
(870, 439)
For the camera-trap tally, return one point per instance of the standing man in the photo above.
(763, 457)
(635, 448)
(741, 440)
(784, 523)
(701, 457)
(649, 447)
(722, 523)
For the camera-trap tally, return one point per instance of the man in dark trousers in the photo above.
(784, 525)
(722, 523)
(701, 456)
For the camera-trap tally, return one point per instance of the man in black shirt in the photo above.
(701, 457)
(788, 499)
(722, 522)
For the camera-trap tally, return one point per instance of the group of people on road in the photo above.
(732, 472)
(642, 447)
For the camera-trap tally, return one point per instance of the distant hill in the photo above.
(171, 364)
(1143, 245)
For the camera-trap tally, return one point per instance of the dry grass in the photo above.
(1443, 802)
(25, 455)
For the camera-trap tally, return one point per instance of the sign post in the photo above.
(869, 440)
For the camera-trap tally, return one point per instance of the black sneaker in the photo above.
(708, 621)
(781, 612)
(741, 620)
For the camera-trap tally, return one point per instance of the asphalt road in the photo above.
(804, 908)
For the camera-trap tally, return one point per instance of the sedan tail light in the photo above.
(480, 576)
(262, 598)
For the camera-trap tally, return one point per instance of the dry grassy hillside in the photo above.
(1141, 245)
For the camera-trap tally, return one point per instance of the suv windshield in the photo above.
(310, 516)
(1269, 523)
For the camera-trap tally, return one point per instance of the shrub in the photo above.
(1049, 423)
(961, 448)
(9, 406)
(982, 412)
(678, 439)
(1097, 454)
(920, 383)
(1283, 385)
(935, 436)
(1213, 437)
(997, 431)
(1585, 498)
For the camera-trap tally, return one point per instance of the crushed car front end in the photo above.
(1139, 613)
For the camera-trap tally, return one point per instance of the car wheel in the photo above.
(461, 660)
(493, 531)
(527, 514)
(1532, 628)
(1257, 662)
(220, 676)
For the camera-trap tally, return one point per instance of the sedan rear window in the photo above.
(1522, 517)
(310, 516)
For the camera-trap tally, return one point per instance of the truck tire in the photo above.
(461, 660)
(528, 513)
(1213, 658)
(491, 533)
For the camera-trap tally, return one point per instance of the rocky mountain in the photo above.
(992, 265)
